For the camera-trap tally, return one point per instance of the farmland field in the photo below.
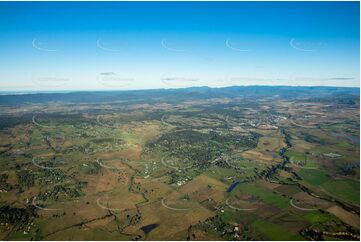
(189, 164)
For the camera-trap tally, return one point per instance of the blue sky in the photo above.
(142, 45)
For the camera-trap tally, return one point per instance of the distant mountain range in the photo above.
(176, 95)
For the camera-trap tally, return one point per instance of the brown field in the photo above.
(345, 216)
(171, 222)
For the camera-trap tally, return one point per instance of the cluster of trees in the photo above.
(21, 217)
(133, 220)
(312, 139)
(350, 169)
(62, 191)
(201, 148)
(4, 186)
(26, 178)
(51, 176)
(217, 224)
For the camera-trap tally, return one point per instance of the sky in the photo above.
(146, 45)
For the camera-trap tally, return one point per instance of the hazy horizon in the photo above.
(21, 92)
